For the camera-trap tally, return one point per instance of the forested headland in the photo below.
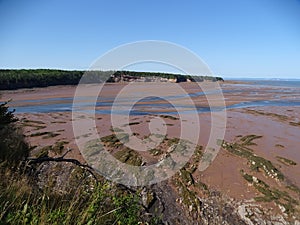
(11, 79)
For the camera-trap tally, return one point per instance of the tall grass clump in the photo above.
(86, 200)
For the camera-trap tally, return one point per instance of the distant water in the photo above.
(272, 82)
(284, 92)
(142, 109)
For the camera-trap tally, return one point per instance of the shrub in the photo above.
(13, 147)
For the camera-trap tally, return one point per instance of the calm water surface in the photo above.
(275, 93)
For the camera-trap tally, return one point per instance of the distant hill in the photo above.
(28, 78)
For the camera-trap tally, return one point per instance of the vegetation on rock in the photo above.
(58, 191)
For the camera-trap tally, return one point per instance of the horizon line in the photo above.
(228, 77)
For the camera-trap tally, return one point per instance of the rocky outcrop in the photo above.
(184, 199)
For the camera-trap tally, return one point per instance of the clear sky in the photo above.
(236, 38)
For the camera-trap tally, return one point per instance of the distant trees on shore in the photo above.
(14, 79)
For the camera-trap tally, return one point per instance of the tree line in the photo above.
(28, 78)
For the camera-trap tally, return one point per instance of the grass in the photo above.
(256, 162)
(13, 147)
(248, 139)
(61, 130)
(89, 200)
(133, 123)
(116, 129)
(32, 121)
(294, 188)
(38, 134)
(115, 141)
(58, 122)
(38, 125)
(192, 165)
(186, 185)
(129, 156)
(286, 161)
(189, 198)
(86, 135)
(46, 134)
(50, 135)
(101, 203)
(124, 154)
(57, 148)
(169, 117)
(111, 140)
(186, 177)
(278, 116)
(295, 123)
(173, 141)
(156, 152)
(43, 152)
(270, 194)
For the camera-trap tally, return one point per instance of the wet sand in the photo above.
(278, 126)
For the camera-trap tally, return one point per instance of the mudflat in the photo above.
(262, 121)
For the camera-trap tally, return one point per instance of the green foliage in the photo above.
(156, 151)
(14, 79)
(270, 194)
(13, 147)
(248, 139)
(128, 208)
(169, 117)
(87, 201)
(256, 162)
(286, 161)
(57, 148)
(114, 140)
(129, 156)
(186, 177)
(6, 116)
(104, 204)
(45, 134)
(133, 123)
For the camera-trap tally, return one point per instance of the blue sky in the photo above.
(236, 38)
